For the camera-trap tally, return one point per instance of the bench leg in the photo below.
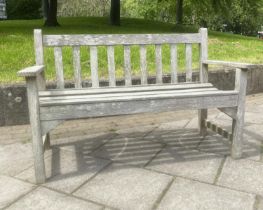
(37, 142)
(238, 123)
(237, 128)
(202, 116)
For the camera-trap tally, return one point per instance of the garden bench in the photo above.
(48, 108)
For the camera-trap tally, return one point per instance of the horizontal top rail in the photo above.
(119, 39)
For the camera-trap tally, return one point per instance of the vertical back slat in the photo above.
(39, 56)
(158, 63)
(111, 66)
(77, 66)
(94, 66)
(59, 67)
(143, 64)
(127, 65)
(188, 61)
(174, 65)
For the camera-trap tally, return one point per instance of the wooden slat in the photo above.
(218, 130)
(158, 63)
(203, 55)
(120, 39)
(127, 65)
(131, 97)
(103, 90)
(174, 65)
(143, 64)
(59, 67)
(77, 66)
(135, 106)
(127, 94)
(188, 62)
(94, 66)
(111, 66)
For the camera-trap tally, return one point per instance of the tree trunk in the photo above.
(179, 11)
(45, 9)
(115, 12)
(51, 6)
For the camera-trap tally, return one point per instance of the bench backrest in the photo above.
(110, 41)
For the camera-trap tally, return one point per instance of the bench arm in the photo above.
(32, 71)
(243, 66)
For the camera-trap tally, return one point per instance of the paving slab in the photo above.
(131, 149)
(45, 199)
(79, 143)
(66, 171)
(219, 145)
(193, 164)
(125, 187)
(11, 189)
(260, 204)
(187, 194)
(243, 174)
(15, 158)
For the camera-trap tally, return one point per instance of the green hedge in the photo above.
(23, 9)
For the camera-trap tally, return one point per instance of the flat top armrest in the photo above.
(233, 64)
(31, 71)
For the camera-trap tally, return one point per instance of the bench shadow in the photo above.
(155, 148)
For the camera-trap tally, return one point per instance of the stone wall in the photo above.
(13, 101)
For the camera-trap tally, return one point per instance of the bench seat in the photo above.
(71, 104)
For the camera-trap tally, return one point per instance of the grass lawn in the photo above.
(16, 46)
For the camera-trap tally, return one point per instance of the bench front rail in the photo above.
(48, 108)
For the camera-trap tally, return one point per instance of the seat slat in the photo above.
(131, 97)
(141, 93)
(94, 66)
(120, 89)
(158, 63)
(143, 64)
(77, 66)
(127, 65)
(111, 66)
(174, 64)
(59, 67)
(188, 53)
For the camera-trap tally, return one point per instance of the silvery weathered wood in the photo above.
(218, 130)
(132, 96)
(77, 66)
(174, 63)
(39, 58)
(139, 88)
(48, 108)
(158, 63)
(119, 39)
(232, 64)
(111, 66)
(32, 71)
(143, 64)
(127, 65)
(94, 66)
(230, 111)
(134, 106)
(238, 124)
(203, 74)
(188, 62)
(34, 116)
(59, 67)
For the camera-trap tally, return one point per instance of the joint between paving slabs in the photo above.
(219, 170)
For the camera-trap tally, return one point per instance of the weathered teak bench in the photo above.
(47, 108)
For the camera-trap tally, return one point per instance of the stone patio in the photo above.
(147, 161)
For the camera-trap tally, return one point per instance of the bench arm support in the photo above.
(36, 72)
(242, 66)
